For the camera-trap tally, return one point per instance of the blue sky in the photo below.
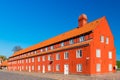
(27, 22)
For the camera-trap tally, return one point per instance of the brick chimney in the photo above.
(82, 20)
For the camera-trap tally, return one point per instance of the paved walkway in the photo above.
(110, 76)
(14, 76)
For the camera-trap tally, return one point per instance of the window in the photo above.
(22, 61)
(38, 59)
(39, 67)
(52, 47)
(29, 60)
(46, 48)
(98, 53)
(32, 59)
(102, 39)
(22, 67)
(57, 56)
(26, 68)
(107, 40)
(26, 60)
(79, 67)
(78, 53)
(66, 55)
(43, 58)
(41, 50)
(57, 67)
(110, 55)
(98, 67)
(110, 67)
(32, 67)
(49, 67)
(35, 52)
(71, 41)
(49, 57)
(62, 44)
(81, 38)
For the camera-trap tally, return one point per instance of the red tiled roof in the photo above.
(4, 63)
(70, 34)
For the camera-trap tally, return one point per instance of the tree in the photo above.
(3, 57)
(17, 48)
(118, 64)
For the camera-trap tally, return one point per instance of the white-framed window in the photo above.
(81, 38)
(107, 40)
(62, 44)
(46, 48)
(32, 59)
(49, 67)
(78, 53)
(32, 67)
(22, 61)
(79, 67)
(110, 67)
(71, 41)
(41, 50)
(22, 67)
(110, 54)
(38, 67)
(18, 61)
(57, 56)
(29, 60)
(98, 53)
(52, 47)
(66, 55)
(43, 58)
(98, 67)
(26, 60)
(26, 67)
(49, 57)
(57, 67)
(35, 52)
(38, 59)
(102, 39)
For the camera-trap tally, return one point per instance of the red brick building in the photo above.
(87, 49)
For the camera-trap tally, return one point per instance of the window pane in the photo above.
(62, 44)
(107, 40)
(78, 53)
(98, 53)
(98, 67)
(81, 38)
(102, 39)
(79, 67)
(110, 55)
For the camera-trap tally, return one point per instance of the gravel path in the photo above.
(13, 76)
(16, 75)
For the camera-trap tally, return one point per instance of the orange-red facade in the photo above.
(88, 49)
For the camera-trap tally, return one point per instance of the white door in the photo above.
(66, 69)
(43, 69)
(29, 69)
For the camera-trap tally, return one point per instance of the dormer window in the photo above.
(81, 38)
(62, 44)
(71, 41)
(46, 48)
(35, 52)
(52, 47)
(41, 50)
